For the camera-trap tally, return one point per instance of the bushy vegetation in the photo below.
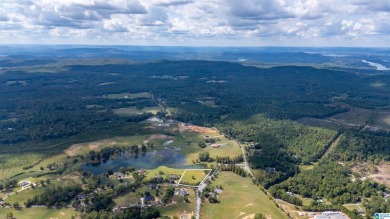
(359, 147)
(330, 180)
(56, 196)
(131, 212)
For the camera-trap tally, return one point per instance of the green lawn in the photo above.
(133, 197)
(193, 177)
(352, 207)
(165, 170)
(40, 213)
(240, 199)
(22, 196)
(180, 207)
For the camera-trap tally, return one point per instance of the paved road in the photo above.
(199, 191)
(246, 166)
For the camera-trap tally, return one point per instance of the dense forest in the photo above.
(37, 107)
(256, 106)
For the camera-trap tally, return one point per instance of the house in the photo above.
(206, 137)
(182, 192)
(118, 209)
(24, 183)
(271, 170)
(290, 194)
(120, 176)
(149, 199)
(218, 191)
(142, 172)
(153, 186)
(215, 145)
(174, 177)
(99, 190)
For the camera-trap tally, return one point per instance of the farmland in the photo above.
(240, 199)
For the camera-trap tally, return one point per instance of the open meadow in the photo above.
(41, 213)
(240, 199)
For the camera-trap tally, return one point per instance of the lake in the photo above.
(170, 157)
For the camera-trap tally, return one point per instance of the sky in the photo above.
(357, 23)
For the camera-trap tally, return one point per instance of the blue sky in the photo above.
(197, 22)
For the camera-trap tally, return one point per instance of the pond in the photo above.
(170, 157)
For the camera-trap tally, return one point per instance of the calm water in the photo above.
(170, 157)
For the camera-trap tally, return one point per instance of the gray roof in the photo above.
(321, 217)
(337, 216)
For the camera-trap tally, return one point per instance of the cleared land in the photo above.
(131, 111)
(240, 198)
(41, 213)
(128, 95)
(193, 177)
(378, 173)
(179, 206)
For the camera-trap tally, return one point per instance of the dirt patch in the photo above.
(72, 150)
(62, 213)
(186, 127)
(251, 216)
(160, 136)
(383, 175)
(68, 177)
(378, 173)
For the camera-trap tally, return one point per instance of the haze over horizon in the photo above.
(355, 23)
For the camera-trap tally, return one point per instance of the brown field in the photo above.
(74, 149)
(383, 175)
(195, 128)
(159, 136)
(379, 173)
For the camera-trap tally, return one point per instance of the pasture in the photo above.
(240, 199)
(193, 177)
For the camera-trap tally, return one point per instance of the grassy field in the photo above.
(128, 95)
(356, 116)
(240, 199)
(131, 111)
(180, 207)
(193, 177)
(132, 197)
(305, 167)
(293, 211)
(22, 196)
(163, 169)
(351, 207)
(176, 208)
(84, 148)
(40, 213)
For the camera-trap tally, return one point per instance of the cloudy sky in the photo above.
(197, 22)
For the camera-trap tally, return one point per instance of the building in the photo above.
(142, 172)
(174, 177)
(182, 192)
(321, 216)
(215, 145)
(149, 199)
(153, 186)
(24, 183)
(330, 215)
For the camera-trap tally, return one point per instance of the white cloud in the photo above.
(196, 22)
